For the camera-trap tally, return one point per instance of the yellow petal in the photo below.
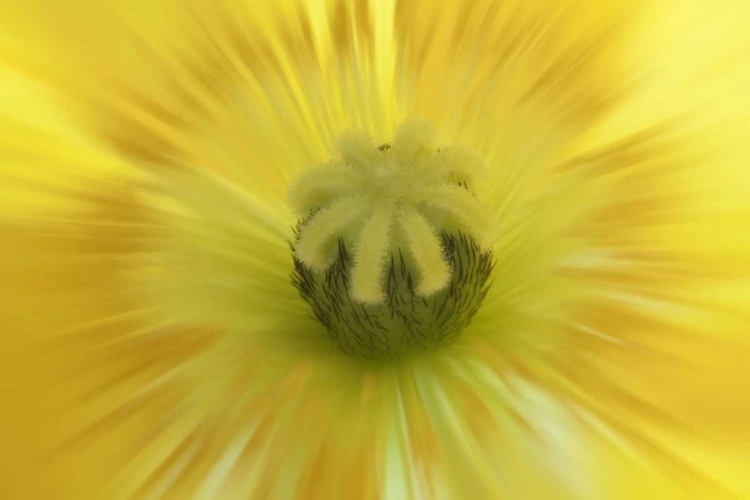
(607, 362)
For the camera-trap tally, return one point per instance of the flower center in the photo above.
(391, 250)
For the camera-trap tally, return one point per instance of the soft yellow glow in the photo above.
(152, 345)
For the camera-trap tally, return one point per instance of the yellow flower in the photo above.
(374, 249)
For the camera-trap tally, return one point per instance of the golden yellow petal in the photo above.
(155, 346)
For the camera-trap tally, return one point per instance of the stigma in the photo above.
(391, 249)
(400, 195)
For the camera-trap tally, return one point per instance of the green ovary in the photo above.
(391, 251)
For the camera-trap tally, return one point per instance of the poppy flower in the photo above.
(374, 249)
